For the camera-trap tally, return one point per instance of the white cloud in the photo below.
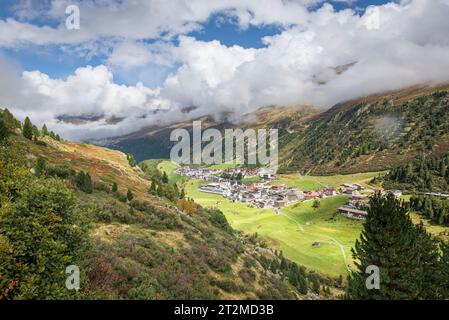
(305, 64)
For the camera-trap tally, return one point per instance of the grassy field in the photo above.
(169, 167)
(317, 182)
(223, 166)
(295, 230)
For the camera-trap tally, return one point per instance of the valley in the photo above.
(296, 228)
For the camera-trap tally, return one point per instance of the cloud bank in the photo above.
(320, 58)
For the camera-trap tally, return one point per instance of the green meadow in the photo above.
(169, 168)
(310, 183)
(295, 230)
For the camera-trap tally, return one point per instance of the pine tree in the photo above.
(114, 187)
(44, 130)
(28, 129)
(4, 131)
(79, 180)
(35, 132)
(153, 189)
(88, 186)
(10, 122)
(160, 191)
(183, 194)
(431, 273)
(84, 182)
(391, 242)
(129, 195)
(444, 267)
(41, 166)
(164, 177)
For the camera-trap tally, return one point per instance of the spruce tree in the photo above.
(183, 194)
(4, 132)
(79, 180)
(88, 186)
(444, 267)
(41, 166)
(391, 242)
(431, 272)
(164, 177)
(44, 130)
(129, 195)
(10, 122)
(28, 129)
(153, 187)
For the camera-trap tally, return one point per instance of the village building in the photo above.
(353, 213)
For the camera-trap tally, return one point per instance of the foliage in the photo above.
(84, 182)
(406, 255)
(132, 162)
(4, 131)
(422, 174)
(42, 231)
(434, 208)
(27, 130)
(129, 195)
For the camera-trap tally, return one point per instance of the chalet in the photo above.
(353, 213)
(280, 203)
(213, 188)
(294, 195)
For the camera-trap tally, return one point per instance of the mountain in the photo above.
(371, 133)
(154, 142)
(69, 203)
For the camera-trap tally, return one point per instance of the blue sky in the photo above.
(133, 58)
(57, 63)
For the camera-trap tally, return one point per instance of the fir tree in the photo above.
(164, 177)
(41, 166)
(4, 132)
(44, 130)
(444, 267)
(391, 242)
(129, 195)
(114, 187)
(88, 186)
(10, 122)
(84, 182)
(28, 129)
(182, 194)
(153, 187)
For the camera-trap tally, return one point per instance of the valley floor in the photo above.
(295, 230)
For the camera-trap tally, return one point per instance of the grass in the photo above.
(151, 163)
(169, 167)
(295, 230)
(224, 166)
(317, 182)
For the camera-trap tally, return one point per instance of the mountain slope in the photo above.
(370, 134)
(146, 248)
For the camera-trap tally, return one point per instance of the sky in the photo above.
(137, 63)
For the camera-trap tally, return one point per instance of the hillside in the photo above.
(138, 246)
(373, 133)
(369, 134)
